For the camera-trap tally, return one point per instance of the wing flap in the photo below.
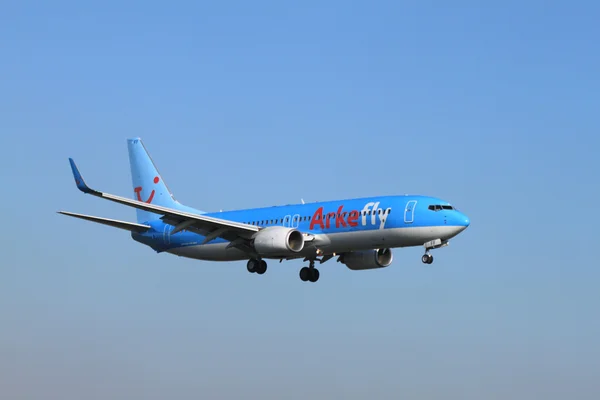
(128, 226)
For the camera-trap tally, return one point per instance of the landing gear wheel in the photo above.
(252, 265)
(309, 273)
(427, 259)
(262, 267)
(305, 274)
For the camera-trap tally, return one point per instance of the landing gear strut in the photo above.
(309, 273)
(258, 266)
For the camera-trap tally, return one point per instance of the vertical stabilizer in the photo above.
(148, 184)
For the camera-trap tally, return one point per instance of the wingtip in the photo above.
(81, 185)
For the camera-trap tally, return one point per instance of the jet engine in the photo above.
(368, 259)
(278, 240)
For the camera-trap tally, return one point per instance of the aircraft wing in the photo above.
(128, 226)
(236, 232)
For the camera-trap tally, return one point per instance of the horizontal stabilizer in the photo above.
(128, 226)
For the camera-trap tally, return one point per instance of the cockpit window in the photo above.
(438, 207)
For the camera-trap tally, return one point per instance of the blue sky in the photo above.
(245, 104)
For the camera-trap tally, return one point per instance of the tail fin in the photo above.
(148, 185)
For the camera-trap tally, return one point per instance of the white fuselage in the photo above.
(332, 242)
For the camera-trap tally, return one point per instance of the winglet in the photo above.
(78, 179)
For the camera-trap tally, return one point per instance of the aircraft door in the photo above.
(409, 212)
(286, 221)
(167, 234)
(296, 221)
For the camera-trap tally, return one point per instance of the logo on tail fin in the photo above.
(138, 191)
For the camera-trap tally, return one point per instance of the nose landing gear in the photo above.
(433, 244)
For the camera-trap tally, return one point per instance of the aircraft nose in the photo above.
(465, 220)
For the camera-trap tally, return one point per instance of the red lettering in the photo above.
(352, 218)
(138, 191)
(330, 216)
(317, 219)
(339, 218)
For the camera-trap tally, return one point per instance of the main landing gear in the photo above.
(309, 273)
(258, 266)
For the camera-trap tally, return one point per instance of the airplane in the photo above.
(360, 232)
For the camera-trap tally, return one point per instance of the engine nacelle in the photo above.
(278, 240)
(368, 259)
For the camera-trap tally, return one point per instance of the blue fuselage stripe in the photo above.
(350, 215)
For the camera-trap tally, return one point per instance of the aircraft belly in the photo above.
(210, 252)
(331, 243)
(386, 238)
